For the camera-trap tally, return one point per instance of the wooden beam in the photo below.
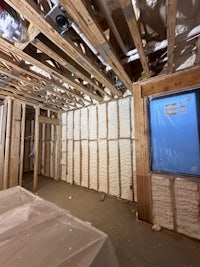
(129, 14)
(7, 144)
(197, 60)
(31, 12)
(36, 149)
(22, 143)
(32, 32)
(11, 48)
(78, 11)
(48, 51)
(171, 25)
(181, 80)
(48, 120)
(142, 156)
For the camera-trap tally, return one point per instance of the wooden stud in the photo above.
(36, 149)
(118, 144)
(7, 144)
(58, 150)
(142, 156)
(22, 143)
(131, 143)
(97, 121)
(108, 154)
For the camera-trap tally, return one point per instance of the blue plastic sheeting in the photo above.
(175, 134)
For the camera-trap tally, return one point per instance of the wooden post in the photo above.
(22, 143)
(7, 145)
(142, 156)
(58, 150)
(36, 149)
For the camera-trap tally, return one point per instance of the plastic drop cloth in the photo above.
(35, 232)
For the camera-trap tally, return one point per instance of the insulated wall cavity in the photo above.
(162, 202)
(176, 204)
(100, 148)
(103, 166)
(85, 163)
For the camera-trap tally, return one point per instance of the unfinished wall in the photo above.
(98, 148)
(176, 203)
(3, 113)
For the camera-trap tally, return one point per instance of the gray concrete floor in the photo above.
(135, 243)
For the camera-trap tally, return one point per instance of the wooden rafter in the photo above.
(171, 25)
(9, 47)
(78, 11)
(48, 51)
(129, 14)
(32, 13)
(197, 60)
(18, 72)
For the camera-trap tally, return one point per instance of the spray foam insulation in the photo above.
(77, 162)
(187, 199)
(92, 123)
(70, 159)
(84, 148)
(70, 125)
(112, 120)
(100, 151)
(113, 169)
(103, 167)
(124, 117)
(162, 202)
(77, 124)
(125, 169)
(84, 123)
(93, 164)
(102, 125)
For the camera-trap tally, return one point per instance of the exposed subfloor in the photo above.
(135, 243)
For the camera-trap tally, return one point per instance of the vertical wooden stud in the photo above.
(142, 156)
(22, 143)
(7, 144)
(36, 149)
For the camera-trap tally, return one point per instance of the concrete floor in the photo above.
(135, 243)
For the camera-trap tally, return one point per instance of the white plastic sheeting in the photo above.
(35, 232)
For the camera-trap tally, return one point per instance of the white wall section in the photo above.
(100, 150)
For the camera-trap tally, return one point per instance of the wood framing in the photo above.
(171, 24)
(142, 156)
(129, 14)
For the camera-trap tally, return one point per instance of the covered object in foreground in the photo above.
(35, 232)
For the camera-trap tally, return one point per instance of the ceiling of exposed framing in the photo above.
(109, 45)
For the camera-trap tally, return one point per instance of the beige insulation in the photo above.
(84, 146)
(187, 207)
(162, 202)
(84, 123)
(93, 165)
(92, 123)
(70, 125)
(77, 162)
(100, 151)
(112, 120)
(77, 124)
(102, 125)
(70, 158)
(113, 169)
(124, 118)
(103, 167)
(126, 169)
